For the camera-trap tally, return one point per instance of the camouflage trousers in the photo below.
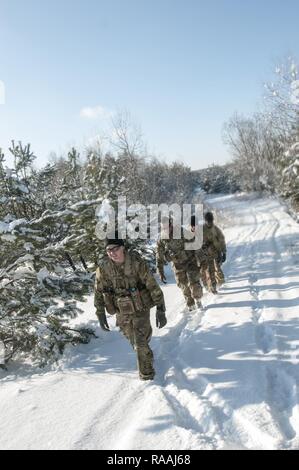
(219, 273)
(136, 327)
(210, 269)
(189, 281)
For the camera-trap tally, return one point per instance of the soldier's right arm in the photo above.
(99, 301)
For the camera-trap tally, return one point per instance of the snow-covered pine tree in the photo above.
(46, 186)
(38, 287)
(38, 293)
(14, 188)
(19, 181)
(71, 189)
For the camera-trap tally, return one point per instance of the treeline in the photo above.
(218, 179)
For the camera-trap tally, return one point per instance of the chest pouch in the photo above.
(125, 305)
(135, 295)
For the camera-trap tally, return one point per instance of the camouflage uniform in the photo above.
(184, 264)
(129, 291)
(214, 246)
(204, 261)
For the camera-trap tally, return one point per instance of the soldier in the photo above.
(214, 244)
(205, 262)
(125, 286)
(183, 262)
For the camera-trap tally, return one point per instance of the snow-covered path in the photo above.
(227, 378)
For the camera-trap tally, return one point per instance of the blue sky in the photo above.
(181, 67)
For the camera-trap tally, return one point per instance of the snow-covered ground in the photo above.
(226, 379)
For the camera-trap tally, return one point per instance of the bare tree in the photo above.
(282, 98)
(127, 136)
(256, 150)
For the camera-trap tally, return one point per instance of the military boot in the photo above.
(190, 305)
(147, 377)
(145, 364)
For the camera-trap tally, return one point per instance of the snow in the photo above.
(28, 246)
(105, 211)
(22, 188)
(42, 275)
(227, 377)
(9, 173)
(10, 227)
(8, 238)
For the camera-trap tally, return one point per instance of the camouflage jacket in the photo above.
(214, 236)
(174, 251)
(132, 278)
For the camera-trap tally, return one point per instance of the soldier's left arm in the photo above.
(221, 239)
(150, 282)
(160, 256)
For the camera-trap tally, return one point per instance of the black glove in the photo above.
(223, 257)
(103, 321)
(160, 317)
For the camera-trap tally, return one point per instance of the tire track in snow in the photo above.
(201, 408)
(192, 412)
(198, 407)
(264, 334)
(282, 387)
(282, 391)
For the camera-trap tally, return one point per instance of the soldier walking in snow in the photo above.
(215, 247)
(183, 262)
(125, 286)
(204, 261)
